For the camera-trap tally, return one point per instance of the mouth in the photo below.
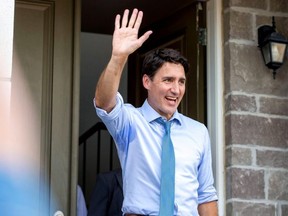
(171, 99)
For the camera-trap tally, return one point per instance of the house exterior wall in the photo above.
(256, 112)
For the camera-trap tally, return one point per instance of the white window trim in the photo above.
(215, 98)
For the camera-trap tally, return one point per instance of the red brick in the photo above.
(250, 208)
(245, 184)
(238, 25)
(274, 106)
(269, 158)
(238, 156)
(279, 6)
(256, 4)
(257, 130)
(245, 71)
(278, 185)
(241, 103)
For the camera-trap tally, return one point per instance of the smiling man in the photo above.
(165, 156)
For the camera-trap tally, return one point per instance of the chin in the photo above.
(170, 113)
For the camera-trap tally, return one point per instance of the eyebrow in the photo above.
(183, 78)
(172, 77)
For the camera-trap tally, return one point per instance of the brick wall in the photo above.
(256, 112)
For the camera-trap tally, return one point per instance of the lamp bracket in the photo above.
(264, 32)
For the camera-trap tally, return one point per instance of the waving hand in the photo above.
(125, 41)
(125, 37)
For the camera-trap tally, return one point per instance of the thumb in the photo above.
(144, 37)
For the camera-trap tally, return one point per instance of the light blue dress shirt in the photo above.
(138, 137)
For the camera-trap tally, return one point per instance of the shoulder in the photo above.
(191, 123)
(108, 175)
(193, 127)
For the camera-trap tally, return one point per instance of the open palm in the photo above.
(125, 37)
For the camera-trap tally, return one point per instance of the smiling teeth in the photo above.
(170, 98)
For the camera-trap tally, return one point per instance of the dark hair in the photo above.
(156, 58)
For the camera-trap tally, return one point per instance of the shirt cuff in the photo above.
(114, 112)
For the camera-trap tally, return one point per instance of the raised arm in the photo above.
(125, 41)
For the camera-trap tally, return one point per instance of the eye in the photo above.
(182, 82)
(168, 80)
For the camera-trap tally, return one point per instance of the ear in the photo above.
(146, 81)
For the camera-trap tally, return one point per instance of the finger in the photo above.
(117, 22)
(138, 20)
(125, 18)
(133, 18)
(144, 37)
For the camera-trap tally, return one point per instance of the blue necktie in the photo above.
(167, 191)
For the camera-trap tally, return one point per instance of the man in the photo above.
(107, 195)
(138, 132)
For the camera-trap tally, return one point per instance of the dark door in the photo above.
(179, 31)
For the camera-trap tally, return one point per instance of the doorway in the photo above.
(178, 29)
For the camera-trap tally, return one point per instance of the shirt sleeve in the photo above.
(117, 122)
(206, 190)
(103, 115)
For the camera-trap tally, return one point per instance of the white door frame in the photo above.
(215, 97)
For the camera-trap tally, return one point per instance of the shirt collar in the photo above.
(151, 115)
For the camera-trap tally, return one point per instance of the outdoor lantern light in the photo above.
(273, 46)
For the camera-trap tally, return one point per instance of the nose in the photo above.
(175, 88)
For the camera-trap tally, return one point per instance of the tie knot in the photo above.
(166, 124)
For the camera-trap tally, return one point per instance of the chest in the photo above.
(188, 149)
(188, 145)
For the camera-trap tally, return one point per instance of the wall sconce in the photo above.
(273, 46)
